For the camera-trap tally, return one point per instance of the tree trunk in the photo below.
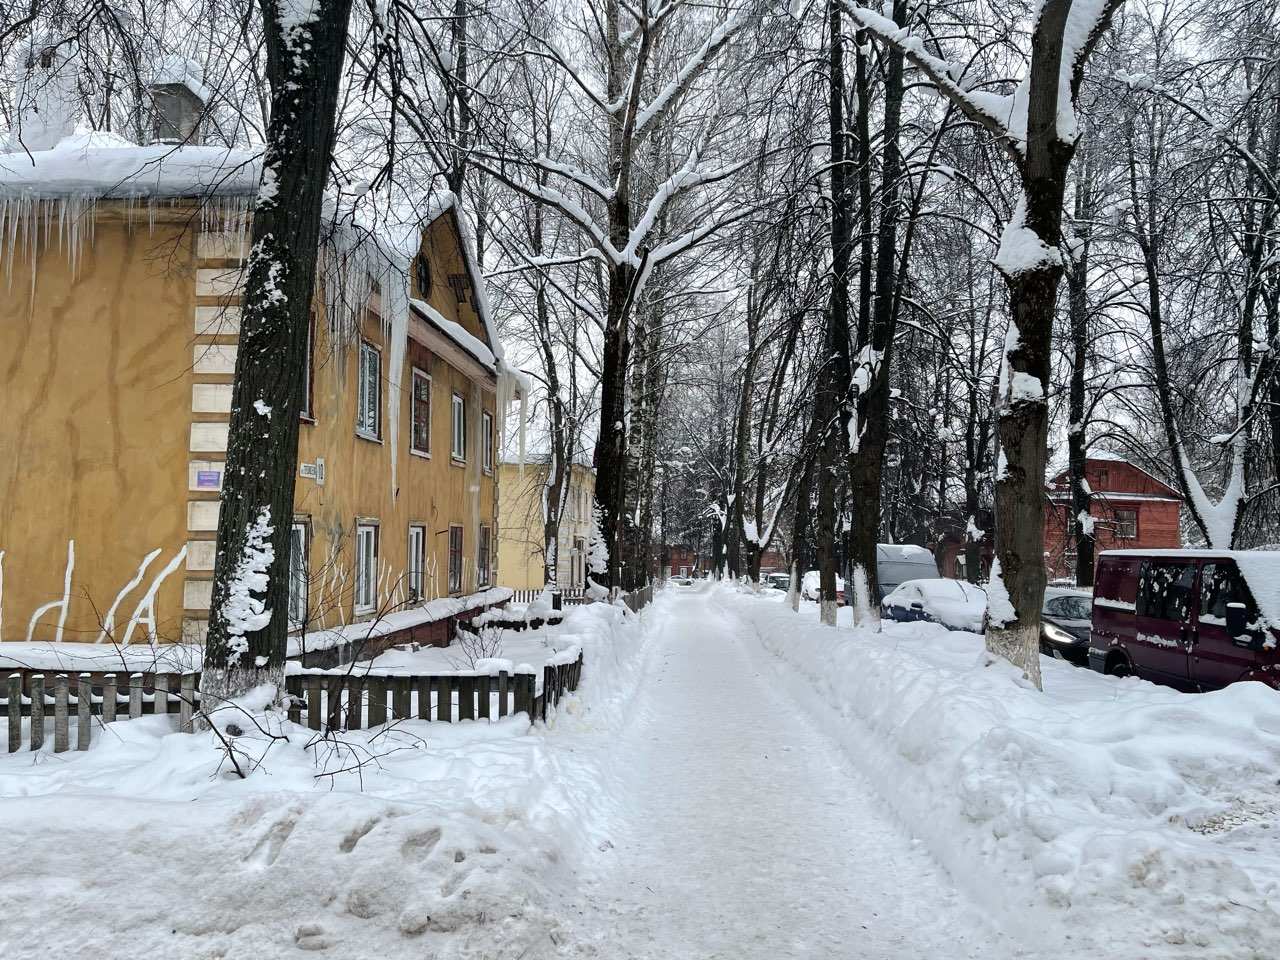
(866, 461)
(832, 407)
(1018, 574)
(248, 623)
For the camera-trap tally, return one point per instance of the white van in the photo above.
(899, 562)
(895, 563)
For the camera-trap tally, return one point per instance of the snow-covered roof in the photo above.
(182, 72)
(105, 166)
(1058, 475)
(447, 202)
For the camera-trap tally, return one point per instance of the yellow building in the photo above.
(119, 329)
(521, 552)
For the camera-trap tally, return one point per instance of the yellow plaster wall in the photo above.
(520, 546)
(95, 399)
(96, 389)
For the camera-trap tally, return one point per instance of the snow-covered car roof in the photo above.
(954, 603)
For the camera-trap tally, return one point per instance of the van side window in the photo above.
(1165, 590)
(1221, 584)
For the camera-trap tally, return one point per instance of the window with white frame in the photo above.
(455, 559)
(368, 413)
(486, 442)
(482, 557)
(299, 542)
(420, 398)
(366, 598)
(458, 441)
(417, 560)
(308, 364)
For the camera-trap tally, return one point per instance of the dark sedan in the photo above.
(1064, 625)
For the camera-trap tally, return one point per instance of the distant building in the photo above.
(521, 551)
(1129, 507)
(680, 560)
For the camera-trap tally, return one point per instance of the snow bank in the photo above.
(72, 657)
(451, 841)
(429, 612)
(1104, 817)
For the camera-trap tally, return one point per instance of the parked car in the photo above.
(810, 587)
(897, 563)
(680, 581)
(952, 603)
(1065, 620)
(779, 581)
(1191, 619)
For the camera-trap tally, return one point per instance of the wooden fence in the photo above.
(327, 699)
(105, 696)
(637, 600)
(567, 597)
(343, 700)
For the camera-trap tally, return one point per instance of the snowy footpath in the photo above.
(733, 828)
(732, 780)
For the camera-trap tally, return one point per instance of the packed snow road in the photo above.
(733, 828)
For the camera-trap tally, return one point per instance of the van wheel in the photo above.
(1119, 667)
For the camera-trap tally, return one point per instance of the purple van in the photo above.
(1191, 619)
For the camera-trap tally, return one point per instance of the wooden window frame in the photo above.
(371, 604)
(457, 431)
(1122, 524)
(415, 375)
(417, 564)
(301, 526)
(486, 441)
(484, 555)
(362, 406)
(455, 558)
(308, 413)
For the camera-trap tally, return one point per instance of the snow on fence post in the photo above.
(548, 689)
(37, 711)
(61, 738)
(84, 708)
(313, 703)
(14, 708)
(109, 698)
(135, 696)
(293, 686)
(186, 702)
(160, 698)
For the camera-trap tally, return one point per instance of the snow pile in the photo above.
(429, 612)
(1104, 817)
(450, 841)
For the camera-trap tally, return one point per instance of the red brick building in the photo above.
(1131, 510)
(680, 560)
